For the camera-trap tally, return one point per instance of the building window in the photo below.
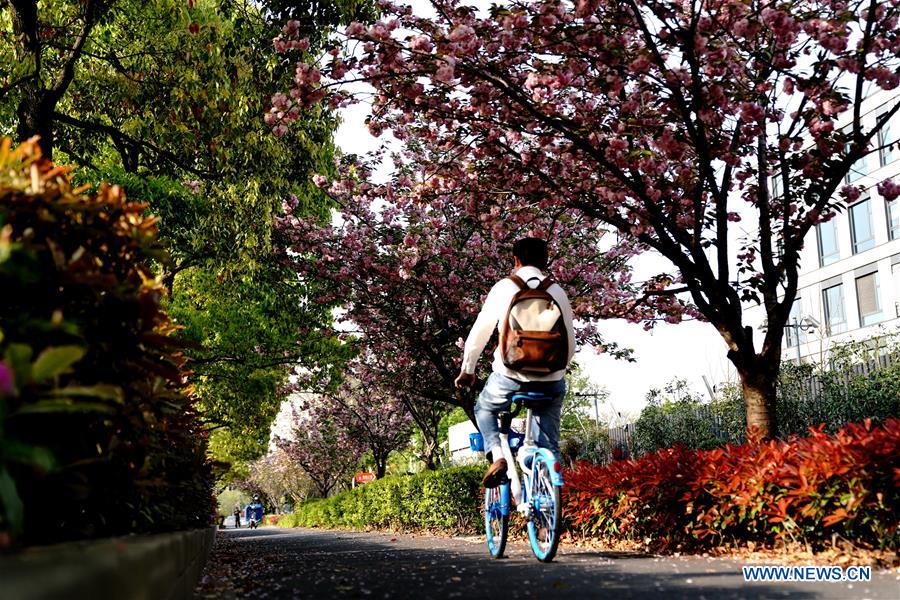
(776, 185)
(858, 169)
(895, 271)
(861, 230)
(833, 303)
(828, 244)
(867, 299)
(893, 218)
(795, 335)
(885, 139)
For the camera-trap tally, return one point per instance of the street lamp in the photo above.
(593, 395)
(805, 324)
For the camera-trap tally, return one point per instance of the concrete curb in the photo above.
(144, 567)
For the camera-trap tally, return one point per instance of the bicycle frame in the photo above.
(532, 484)
(516, 490)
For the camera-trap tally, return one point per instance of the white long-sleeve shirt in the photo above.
(495, 306)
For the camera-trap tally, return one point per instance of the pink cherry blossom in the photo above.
(658, 121)
(889, 190)
(7, 381)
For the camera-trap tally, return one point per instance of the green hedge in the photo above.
(99, 435)
(678, 415)
(447, 500)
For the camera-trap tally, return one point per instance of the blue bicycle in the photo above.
(536, 495)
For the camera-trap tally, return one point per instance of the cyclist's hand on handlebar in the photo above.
(464, 380)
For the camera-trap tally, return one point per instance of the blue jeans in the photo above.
(496, 397)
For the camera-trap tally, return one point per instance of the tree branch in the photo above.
(116, 134)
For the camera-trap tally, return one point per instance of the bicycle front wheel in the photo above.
(496, 523)
(546, 518)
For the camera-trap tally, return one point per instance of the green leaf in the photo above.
(18, 356)
(55, 361)
(26, 454)
(13, 510)
(101, 391)
(63, 405)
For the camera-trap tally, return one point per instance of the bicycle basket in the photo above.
(476, 441)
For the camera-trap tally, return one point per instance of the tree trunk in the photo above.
(35, 116)
(429, 452)
(759, 384)
(380, 466)
(34, 111)
(759, 402)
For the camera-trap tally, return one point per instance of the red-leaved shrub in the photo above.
(808, 489)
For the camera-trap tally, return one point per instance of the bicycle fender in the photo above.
(555, 470)
(504, 500)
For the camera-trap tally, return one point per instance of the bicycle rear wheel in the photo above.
(545, 522)
(496, 523)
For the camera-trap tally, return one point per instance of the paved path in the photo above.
(302, 563)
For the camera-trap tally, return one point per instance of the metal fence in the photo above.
(807, 398)
(814, 387)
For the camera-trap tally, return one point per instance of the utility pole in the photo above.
(595, 396)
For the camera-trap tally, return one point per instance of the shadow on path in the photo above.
(292, 563)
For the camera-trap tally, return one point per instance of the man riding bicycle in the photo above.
(541, 368)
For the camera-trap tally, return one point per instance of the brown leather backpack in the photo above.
(533, 336)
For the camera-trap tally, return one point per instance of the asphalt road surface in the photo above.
(302, 563)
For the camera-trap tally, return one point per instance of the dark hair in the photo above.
(531, 251)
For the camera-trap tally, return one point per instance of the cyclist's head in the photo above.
(531, 252)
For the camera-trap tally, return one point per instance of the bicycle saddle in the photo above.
(532, 399)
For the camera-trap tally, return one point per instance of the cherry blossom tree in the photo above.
(667, 121)
(316, 446)
(368, 417)
(410, 261)
(275, 476)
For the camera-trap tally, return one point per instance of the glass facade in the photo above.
(895, 275)
(861, 231)
(867, 297)
(858, 169)
(885, 137)
(795, 335)
(828, 243)
(833, 305)
(776, 186)
(893, 218)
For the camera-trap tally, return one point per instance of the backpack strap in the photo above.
(545, 283)
(518, 281)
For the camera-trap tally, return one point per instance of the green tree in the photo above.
(583, 436)
(675, 415)
(166, 99)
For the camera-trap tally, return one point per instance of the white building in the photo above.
(458, 441)
(458, 444)
(849, 281)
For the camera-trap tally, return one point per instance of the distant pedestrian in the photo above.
(237, 516)
(253, 514)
